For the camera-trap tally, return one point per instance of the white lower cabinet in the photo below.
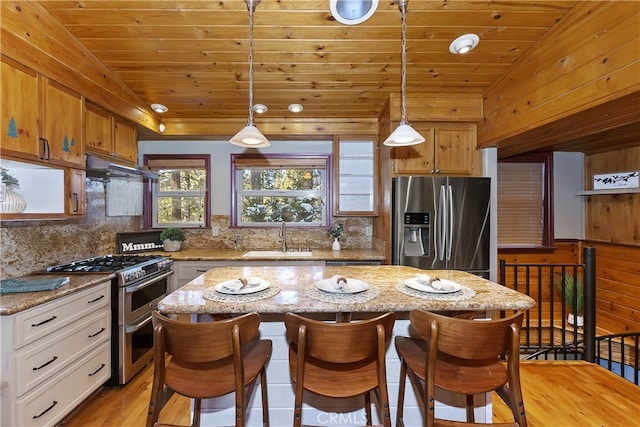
(54, 356)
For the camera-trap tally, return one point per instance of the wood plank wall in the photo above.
(612, 218)
(617, 286)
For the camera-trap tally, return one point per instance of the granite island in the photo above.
(291, 289)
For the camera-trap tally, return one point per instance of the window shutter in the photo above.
(521, 206)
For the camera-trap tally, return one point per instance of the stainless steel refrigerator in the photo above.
(442, 223)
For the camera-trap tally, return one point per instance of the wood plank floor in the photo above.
(556, 393)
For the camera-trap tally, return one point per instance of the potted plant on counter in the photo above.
(572, 288)
(336, 231)
(172, 238)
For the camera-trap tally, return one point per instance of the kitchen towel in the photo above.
(9, 286)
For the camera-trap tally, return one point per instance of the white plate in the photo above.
(419, 285)
(254, 284)
(331, 285)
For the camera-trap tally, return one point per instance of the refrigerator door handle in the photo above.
(450, 225)
(441, 232)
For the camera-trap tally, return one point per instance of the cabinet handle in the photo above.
(34, 325)
(46, 152)
(102, 365)
(37, 368)
(97, 333)
(55, 402)
(75, 200)
(94, 300)
(201, 271)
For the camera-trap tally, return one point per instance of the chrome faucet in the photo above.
(283, 234)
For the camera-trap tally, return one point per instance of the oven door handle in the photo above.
(134, 288)
(129, 329)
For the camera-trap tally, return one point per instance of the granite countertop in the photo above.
(207, 254)
(13, 303)
(296, 291)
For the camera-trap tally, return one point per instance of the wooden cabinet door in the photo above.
(18, 111)
(62, 128)
(75, 189)
(125, 141)
(98, 132)
(454, 147)
(416, 159)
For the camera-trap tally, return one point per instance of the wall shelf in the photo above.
(609, 191)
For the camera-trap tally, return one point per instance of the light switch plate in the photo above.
(215, 231)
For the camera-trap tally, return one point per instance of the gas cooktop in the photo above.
(106, 264)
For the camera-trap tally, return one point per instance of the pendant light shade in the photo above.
(250, 136)
(404, 133)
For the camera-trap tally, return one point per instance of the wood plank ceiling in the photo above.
(192, 56)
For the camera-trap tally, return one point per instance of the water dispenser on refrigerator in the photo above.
(417, 229)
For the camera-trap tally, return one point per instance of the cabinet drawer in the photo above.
(47, 318)
(188, 271)
(50, 402)
(37, 362)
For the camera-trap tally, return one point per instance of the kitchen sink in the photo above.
(277, 254)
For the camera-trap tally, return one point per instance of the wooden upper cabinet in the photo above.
(111, 136)
(98, 134)
(19, 110)
(125, 141)
(62, 112)
(416, 159)
(76, 203)
(448, 149)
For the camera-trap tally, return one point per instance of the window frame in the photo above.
(326, 210)
(546, 159)
(149, 208)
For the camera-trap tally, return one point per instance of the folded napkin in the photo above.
(434, 282)
(238, 284)
(340, 284)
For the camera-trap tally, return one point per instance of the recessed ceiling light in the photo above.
(464, 44)
(159, 108)
(260, 108)
(162, 127)
(295, 108)
(352, 12)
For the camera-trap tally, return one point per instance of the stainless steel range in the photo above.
(141, 282)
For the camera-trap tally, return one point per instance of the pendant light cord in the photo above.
(403, 83)
(251, 5)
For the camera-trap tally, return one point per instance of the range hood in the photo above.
(97, 167)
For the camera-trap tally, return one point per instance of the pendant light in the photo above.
(404, 133)
(250, 136)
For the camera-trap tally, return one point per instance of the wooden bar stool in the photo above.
(339, 360)
(209, 359)
(461, 356)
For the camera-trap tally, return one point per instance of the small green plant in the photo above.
(336, 231)
(173, 233)
(7, 179)
(573, 289)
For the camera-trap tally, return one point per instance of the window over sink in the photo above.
(271, 189)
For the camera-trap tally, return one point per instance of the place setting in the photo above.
(342, 290)
(434, 288)
(242, 289)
